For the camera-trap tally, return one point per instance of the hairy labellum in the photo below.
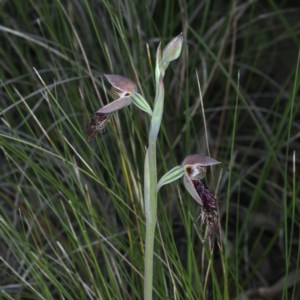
(209, 213)
(97, 124)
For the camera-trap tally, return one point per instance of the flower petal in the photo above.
(115, 105)
(199, 160)
(121, 83)
(191, 189)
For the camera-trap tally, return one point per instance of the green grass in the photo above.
(72, 218)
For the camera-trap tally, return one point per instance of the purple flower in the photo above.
(194, 170)
(124, 89)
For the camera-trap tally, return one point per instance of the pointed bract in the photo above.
(140, 102)
(158, 65)
(172, 175)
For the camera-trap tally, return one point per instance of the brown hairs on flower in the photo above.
(97, 124)
(209, 208)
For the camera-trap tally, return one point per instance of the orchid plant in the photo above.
(193, 168)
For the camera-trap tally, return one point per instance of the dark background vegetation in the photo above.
(58, 192)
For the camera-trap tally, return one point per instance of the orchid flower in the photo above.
(126, 92)
(193, 169)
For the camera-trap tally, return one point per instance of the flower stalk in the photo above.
(171, 52)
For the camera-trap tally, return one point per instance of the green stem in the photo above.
(151, 216)
(171, 52)
(150, 193)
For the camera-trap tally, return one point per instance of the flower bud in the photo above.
(172, 50)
